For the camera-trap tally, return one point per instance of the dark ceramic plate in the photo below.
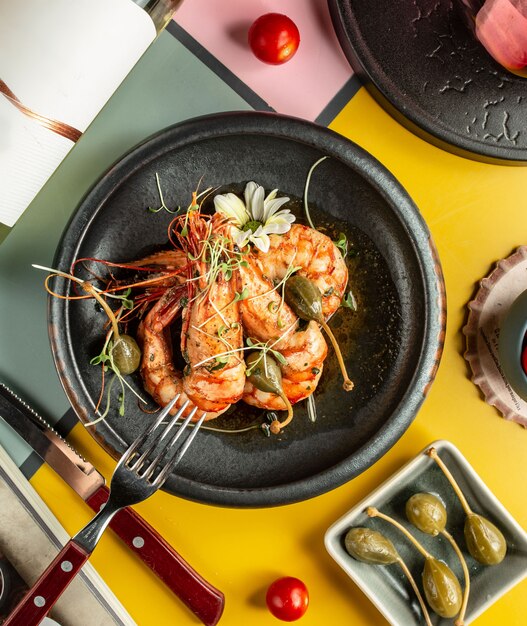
(422, 63)
(392, 343)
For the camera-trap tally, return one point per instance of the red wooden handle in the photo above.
(204, 600)
(39, 600)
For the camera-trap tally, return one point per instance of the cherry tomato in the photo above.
(274, 38)
(287, 598)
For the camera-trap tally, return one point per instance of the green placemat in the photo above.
(160, 91)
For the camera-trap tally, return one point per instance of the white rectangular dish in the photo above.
(386, 586)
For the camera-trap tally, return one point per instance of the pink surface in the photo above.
(304, 85)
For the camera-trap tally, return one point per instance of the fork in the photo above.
(136, 477)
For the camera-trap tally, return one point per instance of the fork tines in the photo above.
(167, 454)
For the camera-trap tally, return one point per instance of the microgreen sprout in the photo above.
(218, 312)
(218, 256)
(306, 189)
(162, 206)
(126, 302)
(274, 307)
(289, 272)
(243, 295)
(255, 346)
(112, 350)
(263, 348)
(238, 296)
(220, 335)
(106, 359)
(349, 302)
(342, 244)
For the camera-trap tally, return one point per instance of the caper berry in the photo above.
(126, 354)
(427, 513)
(442, 588)
(265, 373)
(485, 541)
(370, 546)
(304, 298)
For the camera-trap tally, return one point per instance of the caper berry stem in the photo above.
(348, 384)
(432, 453)
(373, 512)
(88, 288)
(461, 617)
(225, 430)
(412, 582)
(276, 426)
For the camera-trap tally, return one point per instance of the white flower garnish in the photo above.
(257, 218)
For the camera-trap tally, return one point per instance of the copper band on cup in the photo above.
(60, 128)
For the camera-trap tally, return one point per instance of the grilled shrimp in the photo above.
(266, 318)
(213, 384)
(318, 257)
(214, 323)
(210, 384)
(160, 378)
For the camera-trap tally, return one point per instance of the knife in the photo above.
(204, 600)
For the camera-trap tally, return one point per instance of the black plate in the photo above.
(422, 63)
(392, 343)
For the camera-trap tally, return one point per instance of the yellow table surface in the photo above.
(477, 214)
